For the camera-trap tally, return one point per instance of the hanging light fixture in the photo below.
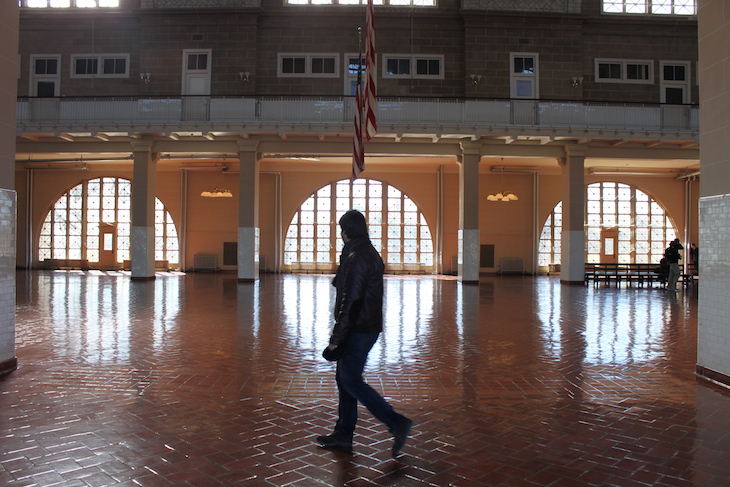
(217, 193)
(504, 195)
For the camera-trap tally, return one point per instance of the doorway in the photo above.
(196, 83)
(609, 245)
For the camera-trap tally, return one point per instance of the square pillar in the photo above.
(144, 185)
(248, 211)
(572, 257)
(469, 236)
(10, 13)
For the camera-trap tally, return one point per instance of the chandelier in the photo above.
(217, 193)
(504, 195)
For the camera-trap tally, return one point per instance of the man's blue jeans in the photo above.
(352, 387)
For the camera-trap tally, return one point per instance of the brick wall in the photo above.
(249, 39)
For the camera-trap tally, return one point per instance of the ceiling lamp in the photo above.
(217, 193)
(503, 196)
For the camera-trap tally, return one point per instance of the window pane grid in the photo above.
(404, 239)
(71, 228)
(643, 226)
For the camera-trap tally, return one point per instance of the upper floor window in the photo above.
(309, 65)
(394, 3)
(69, 3)
(624, 71)
(657, 7)
(524, 78)
(415, 66)
(100, 65)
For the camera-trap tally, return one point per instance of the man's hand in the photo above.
(331, 347)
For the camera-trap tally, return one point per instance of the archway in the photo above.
(644, 229)
(397, 227)
(71, 228)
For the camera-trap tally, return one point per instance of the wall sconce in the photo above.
(475, 78)
(577, 81)
(243, 77)
(145, 77)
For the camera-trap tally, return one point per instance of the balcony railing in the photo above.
(38, 114)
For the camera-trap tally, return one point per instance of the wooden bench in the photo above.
(691, 274)
(66, 264)
(615, 273)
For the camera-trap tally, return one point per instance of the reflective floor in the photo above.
(198, 380)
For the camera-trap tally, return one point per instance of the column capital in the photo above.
(247, 145)
(575, 150)
(471, 148)
(141, 145)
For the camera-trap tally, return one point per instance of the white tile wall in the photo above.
(713, 342)
(7, 274)
(248, 252)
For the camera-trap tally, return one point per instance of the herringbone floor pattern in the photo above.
(198, 380)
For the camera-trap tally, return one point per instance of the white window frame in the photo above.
(308, 57)
(533, 77)
(392, 3)
(685, 85)
(100, 65)
(70, 3)
(649, 7)
(624, 64)
(34, 78)
(413, 60)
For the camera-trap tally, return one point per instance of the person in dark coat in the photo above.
(358, 317)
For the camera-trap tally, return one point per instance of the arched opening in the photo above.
(397, 227)
(70, 230)
(641, 225)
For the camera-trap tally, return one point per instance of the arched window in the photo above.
(397, 228)
(643, 227)
(71, 227)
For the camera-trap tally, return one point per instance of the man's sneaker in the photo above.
(401, 435)
(335, 441)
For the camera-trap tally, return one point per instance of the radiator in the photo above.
(512, 265)
(205, 262)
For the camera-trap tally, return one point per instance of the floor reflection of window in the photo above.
(408, 309)
(644, 229)
(397, 227)
(71, 228)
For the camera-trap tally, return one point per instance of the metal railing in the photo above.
(36, 113)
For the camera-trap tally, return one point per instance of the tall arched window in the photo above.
(642, 225)
(71, 227)
(397, 228)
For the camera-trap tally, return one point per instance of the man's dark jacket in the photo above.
(359, 284)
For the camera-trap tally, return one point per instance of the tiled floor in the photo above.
(198, 380)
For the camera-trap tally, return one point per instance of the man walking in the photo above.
(358, 322)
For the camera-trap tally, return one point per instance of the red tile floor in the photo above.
(198, 380)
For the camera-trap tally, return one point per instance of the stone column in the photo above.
(713, 330)
(248, 211)
(144, 186)
(469, 237)
(10, 14)
(572, 268)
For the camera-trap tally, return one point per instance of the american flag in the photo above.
(366, 101)
(371, 125)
